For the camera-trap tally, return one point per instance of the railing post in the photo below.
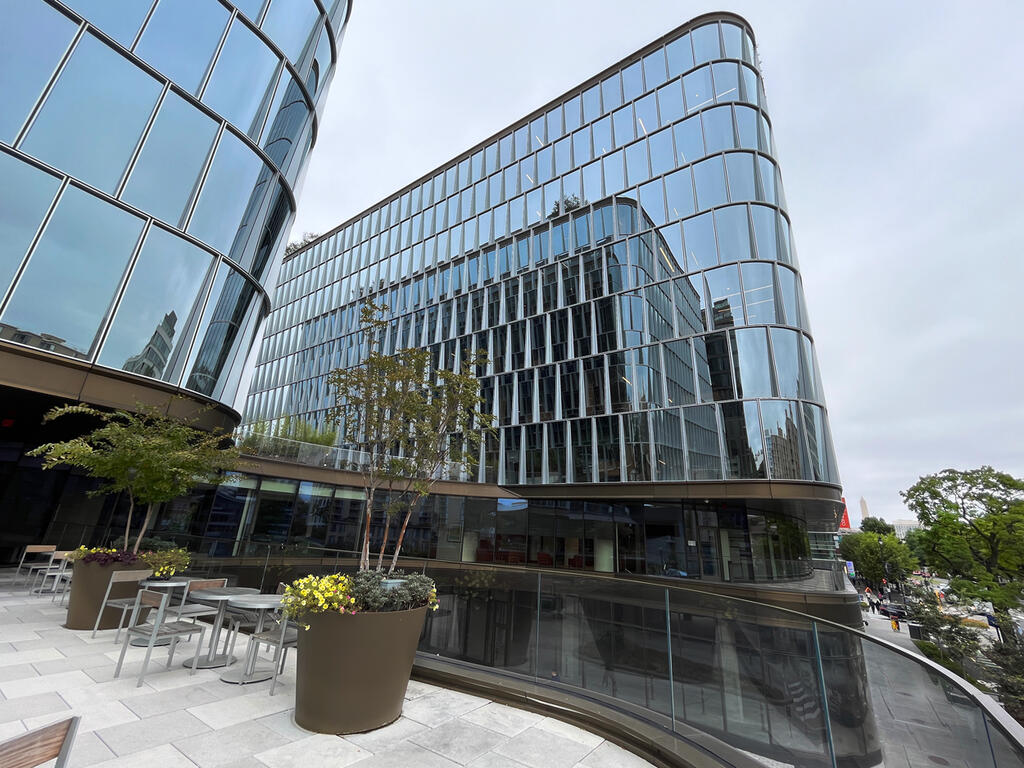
(536, 644)
(668, 646)
(824, 694)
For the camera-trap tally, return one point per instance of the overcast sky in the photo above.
(899, 129)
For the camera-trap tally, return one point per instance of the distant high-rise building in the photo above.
(903, 527)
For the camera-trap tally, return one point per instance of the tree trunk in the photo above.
(364, 556)
(145, 525)
(128, 524)
(384, 541)
(401, 534)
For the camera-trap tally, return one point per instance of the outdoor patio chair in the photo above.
(42, 554)
(239, 618)
(160, 628)
(58, 563)
(284, 636)
(40, 746)
(185, 609)
(63, 582)
(123, 604)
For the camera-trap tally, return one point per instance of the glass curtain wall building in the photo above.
(624, 258)
(148, 152)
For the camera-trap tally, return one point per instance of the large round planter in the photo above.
(87, 589)
(353, 669)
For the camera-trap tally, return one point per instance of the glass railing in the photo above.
(741, 679)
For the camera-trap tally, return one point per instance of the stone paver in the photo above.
(175, 720)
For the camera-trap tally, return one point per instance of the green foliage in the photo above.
(1009, 676)
(302, 242)
(412, 422)
(953, 638)
(915, 541)
(890, 560)
(149, 456)
(416, 590)
(974, 531)
(876, 525)
(166, 562)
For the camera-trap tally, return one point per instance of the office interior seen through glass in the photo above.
(149, 151)
(623, 256)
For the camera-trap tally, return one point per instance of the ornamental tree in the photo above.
(877, 557)
(149, 456)
(412, 421)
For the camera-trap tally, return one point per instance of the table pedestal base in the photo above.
(206, 662)
(238, 676)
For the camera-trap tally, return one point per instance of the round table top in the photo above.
(256, 601)
(168, 583)
(222, 593)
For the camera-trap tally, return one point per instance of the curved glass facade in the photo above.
(148, 152)
(624, 258)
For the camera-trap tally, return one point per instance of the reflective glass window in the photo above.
(679, 373)
(563, 156)
(607, 445)
(108, 101)
(623, 121)
(753, 369)
(572, 114)
(786, 349)
(759, 293)
(680, 56)
(151, 323)
(724, 293)
(718, 133)
(581, 147)
(637, 168)
(744, 450)
(702, 446)
(767, 179)
(611, 92)
(781, 421)
(652, 203)
(740, 167)
(33, 37)
(120, 19)
(229, 307)
(226, 192)
(25, 196)
(73, 274)
(290, 23)
(662, 154)
(632, 81)
(243, 59)
(670, 102)
(613, 178)
(689, 140)
(582, 451)
(733, 233)
(765, 233)
(818, 443)
(809, 371)
(654, 69)
(555, 126)
(705, 43)
(679, 194)
(709, 180)
(746, 125)
(591, 103)
(168, 168)
(646, 110)
(602, 135)
(699, 238)
(749, 90)
(180, 39)
(697, 89)
(727, 83)
(789, 289)
(733, 38)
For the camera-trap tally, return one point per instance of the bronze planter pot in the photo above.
(353, 669)
(87, 589)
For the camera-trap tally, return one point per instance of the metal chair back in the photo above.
(34, 549)
(117, 577)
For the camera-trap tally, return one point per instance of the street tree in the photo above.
(876, 525)
(877, 557)
(146, 454)
(974, 530)
(413, 423)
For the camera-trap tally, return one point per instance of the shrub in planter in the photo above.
(92, 568)
(165, 563)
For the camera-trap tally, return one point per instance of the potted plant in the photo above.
(413, 424)
(360, 636)
(166, 562)
(92, 569)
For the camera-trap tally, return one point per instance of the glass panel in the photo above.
(679, 194)
(33, 38)
(646, 115)
(611, 93)
(290, 23)
(654, 69)
(118, 18)
(180, 40)
(753, 369)
(226, 311)
(632, 81)
(67, 287)
(591, 103)
(150, 327)
(25, 196)
(613, 178)
(718, 133)
(705, 43)
(697, 89)
(226, 191)
(733, 234)
(108, 100)
(726, 303)
(765, 232)
(637, 170)
(702, 447)
(709, 179)
(662, 155)
(689, 140)
(782, 439)
(624, 128)
(680, 56)
(274, 515)
(243, 59)
(602, 135)
(727, 82)
(789, 289)
(744, 451)
(168, 168)
(670, 102)
(740, 166)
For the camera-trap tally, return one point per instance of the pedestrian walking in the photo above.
(874, 608)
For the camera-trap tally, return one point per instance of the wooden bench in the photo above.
(38, 746)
